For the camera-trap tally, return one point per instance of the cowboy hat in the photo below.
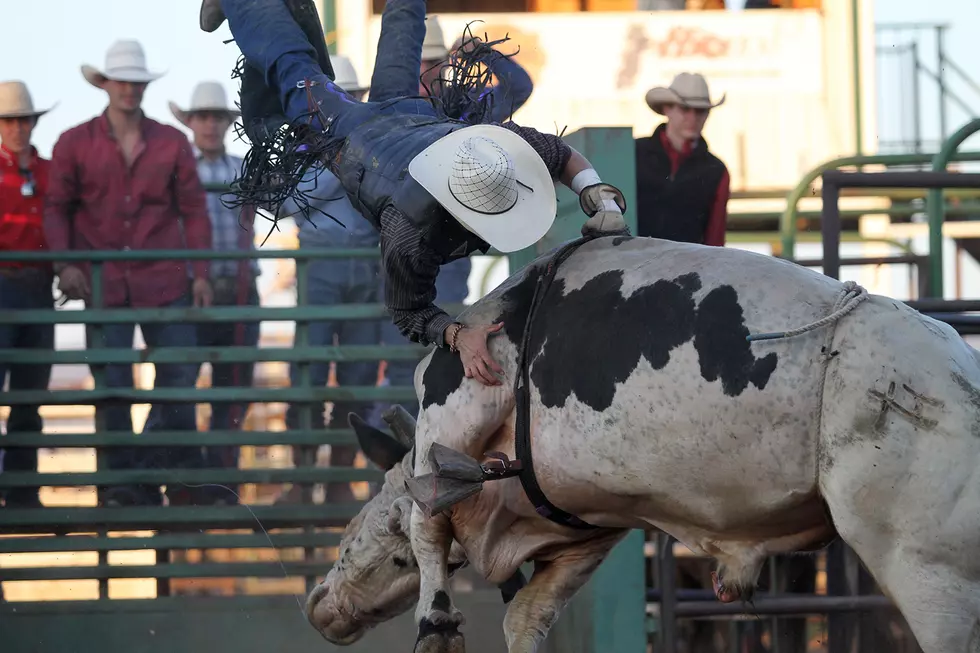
(16, 102)
(124, 62)
(434, 43)
(207, 96)
(687, 90)
(344, 74)
(493, 182)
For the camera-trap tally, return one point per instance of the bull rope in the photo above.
(850, 296)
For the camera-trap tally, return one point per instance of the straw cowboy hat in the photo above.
(16, 102)
(687, 90)
(206, 96)
(493, 182)
(344, 74)
(124, 62)
(434, 43)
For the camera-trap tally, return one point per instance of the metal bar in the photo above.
(311, 437)
(935, 305)
(941, 67)
(64, 544)
(867, 260)
(830, 227)
(166, 605)
(916, 108)
(166, 570)
(201, 315)
(964, 75)
(205, 395)
(787, 221)
(935, 208)
(856, 72)
(101, 256)
(34, 520)
(948, 93)
(784, 605)
(901, 27)
(94, 341)
(910, 179)
(223, 475)
(213, 355)
(668, 588)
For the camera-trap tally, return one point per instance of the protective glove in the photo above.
(605, 205)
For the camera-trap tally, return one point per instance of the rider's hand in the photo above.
(471, 342)
(604, 204)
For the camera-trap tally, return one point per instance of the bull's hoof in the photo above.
(439, 638)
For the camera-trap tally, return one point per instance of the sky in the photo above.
(59, 35)
(82, 30)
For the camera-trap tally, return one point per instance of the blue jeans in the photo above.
(451, 288)
(332, 283)
(229, 416)
(177, 417)
(24, 290)
(275, 45)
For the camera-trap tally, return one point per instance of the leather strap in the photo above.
(522, 394)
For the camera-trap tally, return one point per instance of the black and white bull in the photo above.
(649, 408)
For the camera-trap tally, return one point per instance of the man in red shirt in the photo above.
(122, 181)
(23, 179)
(682, 189)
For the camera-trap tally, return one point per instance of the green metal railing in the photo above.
(180, 527)
(935, 207)
(790, 215)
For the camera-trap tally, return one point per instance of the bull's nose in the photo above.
(318, 594)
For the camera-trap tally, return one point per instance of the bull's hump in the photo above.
(590, 339)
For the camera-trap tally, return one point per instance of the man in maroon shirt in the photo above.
(23, 179)
(122, 181)
(682, 189)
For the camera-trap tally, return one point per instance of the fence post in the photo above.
(608, 614)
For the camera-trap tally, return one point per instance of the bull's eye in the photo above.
(399, 562)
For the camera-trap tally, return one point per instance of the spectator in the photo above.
(335, 282)
(682, 188)
(209, 117)
(23, 181)
(452, 285)
(123, 181)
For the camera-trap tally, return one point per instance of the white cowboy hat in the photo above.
(434, 43)
(344, 74)
(207, 96)
(687, 89)
(16, 102)
(493, 182)
(124, 62)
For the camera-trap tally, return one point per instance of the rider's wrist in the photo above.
(452, 336)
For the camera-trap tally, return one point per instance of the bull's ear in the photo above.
(379, 447)
(400, 516)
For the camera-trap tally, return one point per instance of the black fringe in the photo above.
(463, 88)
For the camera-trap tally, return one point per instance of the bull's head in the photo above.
(375, 577)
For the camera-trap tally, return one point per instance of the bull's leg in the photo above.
(435, 614)
(536, 606)
(907, 503)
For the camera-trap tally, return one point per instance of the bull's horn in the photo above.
(402, 424)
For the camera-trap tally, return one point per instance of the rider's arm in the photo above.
(410, 281)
